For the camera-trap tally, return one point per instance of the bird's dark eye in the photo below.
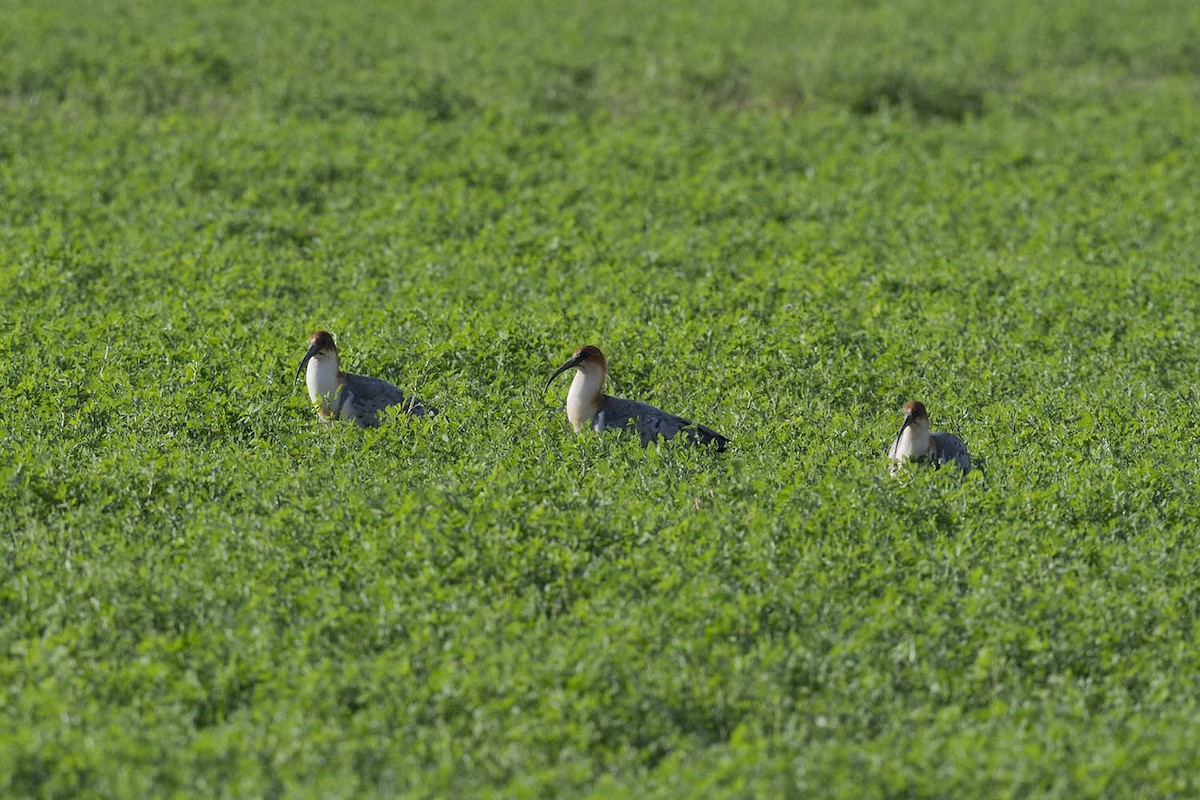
(583, 356)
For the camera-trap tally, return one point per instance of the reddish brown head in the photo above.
(589, 354)
(587, 357)
(319, 344)
(322, 340)
(914, 411)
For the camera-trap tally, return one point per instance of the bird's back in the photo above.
(951, 448)
(363, 397)
(652, 422)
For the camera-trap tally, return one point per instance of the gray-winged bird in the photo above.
(915, 441)
(341, 395)
(589, 407)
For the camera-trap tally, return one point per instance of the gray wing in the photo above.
(364, 397)
(651, 422)
(951, 448)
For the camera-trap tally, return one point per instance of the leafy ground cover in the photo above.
(783, 219)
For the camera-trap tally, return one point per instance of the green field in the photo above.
(782, 219)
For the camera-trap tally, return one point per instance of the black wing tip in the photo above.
(418, 409)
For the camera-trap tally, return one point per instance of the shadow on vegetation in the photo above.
(436, 98)
(926, 99)
(725, 85)
(566, 88)
(269, 232)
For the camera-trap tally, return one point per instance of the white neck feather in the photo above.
(583, 400)
(322, 380)
(914, 442)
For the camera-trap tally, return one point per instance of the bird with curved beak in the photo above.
(341, 395)
(589, 407)
(916, 442)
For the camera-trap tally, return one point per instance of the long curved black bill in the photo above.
(312, 351)
(574, 362)
(907, 421)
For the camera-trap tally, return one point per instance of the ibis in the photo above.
(589, 407)
(916, 442)
(342, 395)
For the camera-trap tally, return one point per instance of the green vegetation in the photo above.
(781, 219)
